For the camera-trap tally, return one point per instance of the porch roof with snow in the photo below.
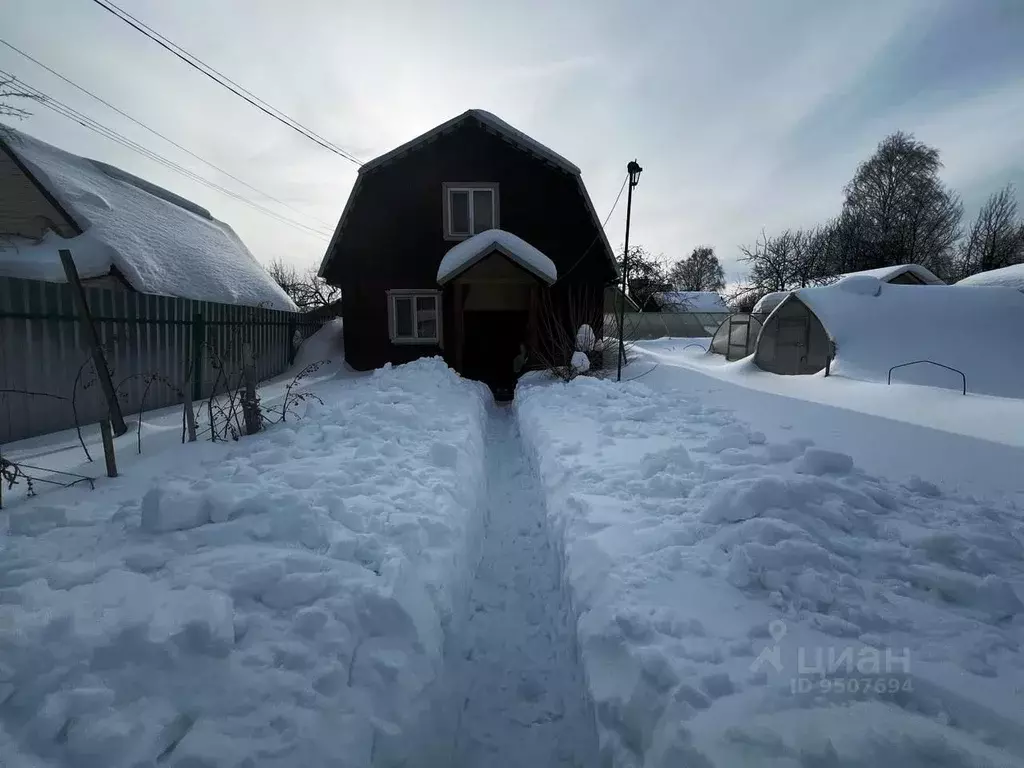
(470, 251)
(157, 241)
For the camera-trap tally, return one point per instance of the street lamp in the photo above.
(633, 169)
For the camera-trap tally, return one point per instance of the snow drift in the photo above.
(1008, 277)
(158, 241)
(743, 602)
(287, 603)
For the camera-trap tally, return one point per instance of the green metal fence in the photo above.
(43, 350)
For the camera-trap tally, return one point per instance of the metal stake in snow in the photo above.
(633, 169)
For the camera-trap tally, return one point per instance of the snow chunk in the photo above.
(173, 506)
(817, 461)
(467, 253)
(585, 338)
(580, 362)
(860, 285)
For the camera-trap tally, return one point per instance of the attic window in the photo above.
(469, 208)
(414, 316)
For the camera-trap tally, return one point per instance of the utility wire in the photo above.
(224, 81)
(598, 236)
(97, 127)
(160, 135)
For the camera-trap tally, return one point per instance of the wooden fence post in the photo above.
(102, 372)
(108, 448)
(198, 340)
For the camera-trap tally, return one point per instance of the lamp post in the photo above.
(633, 169)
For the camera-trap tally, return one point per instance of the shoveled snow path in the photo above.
(522, 693)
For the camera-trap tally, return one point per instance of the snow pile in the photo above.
(471, 250)
(159, 242)
(691, 301)
(744, 602)
(287, 604)
(976, 331)
(1008, 277)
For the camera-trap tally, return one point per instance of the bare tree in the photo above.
(700, 271)
(897, 210)
(308, 290)
(995, 239)
(772, 261)
(648, 274)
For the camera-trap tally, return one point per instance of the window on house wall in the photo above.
(414, 317)
(469, 209)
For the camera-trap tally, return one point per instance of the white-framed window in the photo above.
(469, 208)
(414, 316)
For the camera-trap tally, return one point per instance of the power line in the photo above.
(224, 81)
(160, 135)
(103, 130)
(598, 235)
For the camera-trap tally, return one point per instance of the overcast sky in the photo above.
(744, 113)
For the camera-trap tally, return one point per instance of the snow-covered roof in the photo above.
(491, 121)
(877, 325)
(769, 301)
(159, 242)
(497, 125)
(888, 274)
(467, 253)
(1008, 277)
(691, 301)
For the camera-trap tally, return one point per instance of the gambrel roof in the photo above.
(495, 125)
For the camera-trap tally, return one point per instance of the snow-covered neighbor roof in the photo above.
(888, 274)
(769, 301)
(877, 325)
(467, 253)
(1008, 277)
(159, 242)
(691, 301)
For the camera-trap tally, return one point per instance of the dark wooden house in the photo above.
(410, 207)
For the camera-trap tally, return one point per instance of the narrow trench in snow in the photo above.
(521, 691)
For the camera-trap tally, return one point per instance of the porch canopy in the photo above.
(472, 250)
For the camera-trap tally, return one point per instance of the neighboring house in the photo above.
(902, 274)
(612, 294)
(1008, 277)
(868, 327)
(466, 242)
(686, 301)
(123, 232)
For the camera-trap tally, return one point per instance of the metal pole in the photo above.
(625, 273)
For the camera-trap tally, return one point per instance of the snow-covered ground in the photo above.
(996, 419)
(686, 569)
(280, 601)
(745, 599)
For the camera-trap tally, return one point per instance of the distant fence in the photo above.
(656, 325)
(43, 350)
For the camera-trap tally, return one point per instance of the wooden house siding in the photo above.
(393, 235)
(25, 210)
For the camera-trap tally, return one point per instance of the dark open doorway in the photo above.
(490, 344)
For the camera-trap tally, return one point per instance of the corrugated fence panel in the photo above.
(43, 351)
